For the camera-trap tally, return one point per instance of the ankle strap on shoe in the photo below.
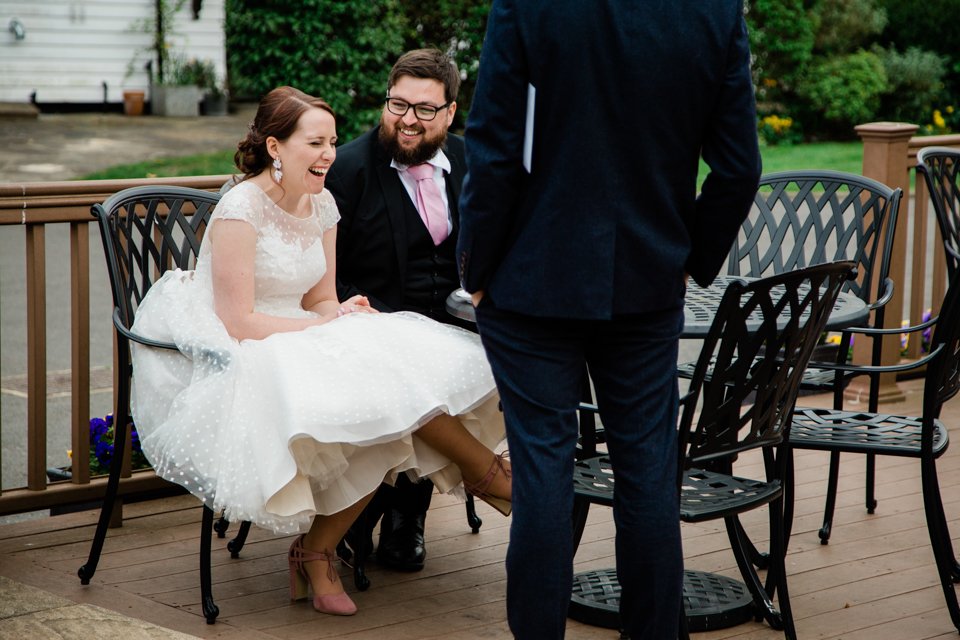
(300, 555)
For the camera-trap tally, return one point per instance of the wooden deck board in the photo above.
(876, 579)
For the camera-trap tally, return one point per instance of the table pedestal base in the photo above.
(711, 601)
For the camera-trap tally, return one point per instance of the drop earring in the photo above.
(277, 170)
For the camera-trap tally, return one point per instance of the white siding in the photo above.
(72, 47)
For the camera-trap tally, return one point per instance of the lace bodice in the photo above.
(289, 256)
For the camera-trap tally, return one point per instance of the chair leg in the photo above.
(581, 507)
(210, 610)
(870, 498)
(221, 526)
(788, 495)
(833, 479)
(110, 497)
(357, 546)
(472, 518)
(940, 538)
(778, 565)
(235, 545)
(762, 598)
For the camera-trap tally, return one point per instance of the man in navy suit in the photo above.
(384, 249)
(580, 222)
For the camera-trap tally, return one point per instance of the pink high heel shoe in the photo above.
(481, 487)
(337, 604)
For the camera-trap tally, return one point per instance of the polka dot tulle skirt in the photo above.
(275, 431)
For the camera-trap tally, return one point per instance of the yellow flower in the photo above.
(938, 119)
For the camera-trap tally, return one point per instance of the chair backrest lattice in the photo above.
(746, 381)
(940, 167)
(147, 231)
(803, 218)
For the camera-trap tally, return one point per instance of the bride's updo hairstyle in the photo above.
(277, 116)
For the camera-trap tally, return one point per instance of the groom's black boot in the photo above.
(401, 545)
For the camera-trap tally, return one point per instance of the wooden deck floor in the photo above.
(876, 579)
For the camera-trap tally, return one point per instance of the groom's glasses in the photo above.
(423, 111)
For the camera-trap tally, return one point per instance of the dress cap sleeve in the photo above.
(241, 203)
(326, 209)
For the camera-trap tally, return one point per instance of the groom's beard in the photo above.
(426, 149)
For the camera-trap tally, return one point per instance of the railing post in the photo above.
(36, 357)
(885, 151)
(80, 351)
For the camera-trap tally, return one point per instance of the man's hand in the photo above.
(476, 297)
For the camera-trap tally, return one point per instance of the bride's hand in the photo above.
(356, 304)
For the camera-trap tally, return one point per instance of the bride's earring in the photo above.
(277, 170)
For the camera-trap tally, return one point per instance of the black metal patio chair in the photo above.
(741, 396)
(923, 437)
(807, 217)
(145, 232)
(940, 168)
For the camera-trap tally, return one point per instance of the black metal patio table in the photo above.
(699, 307)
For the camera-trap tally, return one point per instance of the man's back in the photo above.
(626, 96)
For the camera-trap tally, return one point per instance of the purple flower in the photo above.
(104, 453)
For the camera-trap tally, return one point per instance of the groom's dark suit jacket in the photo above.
(378, 219)
(628, 96)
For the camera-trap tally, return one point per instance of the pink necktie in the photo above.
(429, 202)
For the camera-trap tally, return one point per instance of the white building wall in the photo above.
(73, 47)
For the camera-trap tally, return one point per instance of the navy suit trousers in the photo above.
(538, 365)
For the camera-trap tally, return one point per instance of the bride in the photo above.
(285, 406)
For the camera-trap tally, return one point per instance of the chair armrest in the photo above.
(218, 358)
(130, 335)
(885, 297)
(894, 330)
(880, 368)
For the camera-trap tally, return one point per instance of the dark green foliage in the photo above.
(844, 91)
(818, 62)
(340, 51)
(932, 25)
(915, 84)
(781, 40)
(843, 26)
(815, 61)
(456, 27)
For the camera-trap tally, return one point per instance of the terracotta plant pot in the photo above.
(133, 102)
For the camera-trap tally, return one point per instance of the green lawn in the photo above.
(838, 156)
(841, 156)
(207, 164)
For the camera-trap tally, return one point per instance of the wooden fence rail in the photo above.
(35, 206)
(890, 151)
(890, 156)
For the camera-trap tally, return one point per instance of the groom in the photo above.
(397, 188)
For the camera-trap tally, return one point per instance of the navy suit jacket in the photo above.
(372, 233)
(628, 96)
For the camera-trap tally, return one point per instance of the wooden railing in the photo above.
(890, 156)
(35, 207)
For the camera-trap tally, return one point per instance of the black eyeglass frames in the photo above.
(423, 111)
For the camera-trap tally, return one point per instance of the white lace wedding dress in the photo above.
(277, 430)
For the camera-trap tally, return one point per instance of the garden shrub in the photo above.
(845, 91)
(914, 84)
(337, 50)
